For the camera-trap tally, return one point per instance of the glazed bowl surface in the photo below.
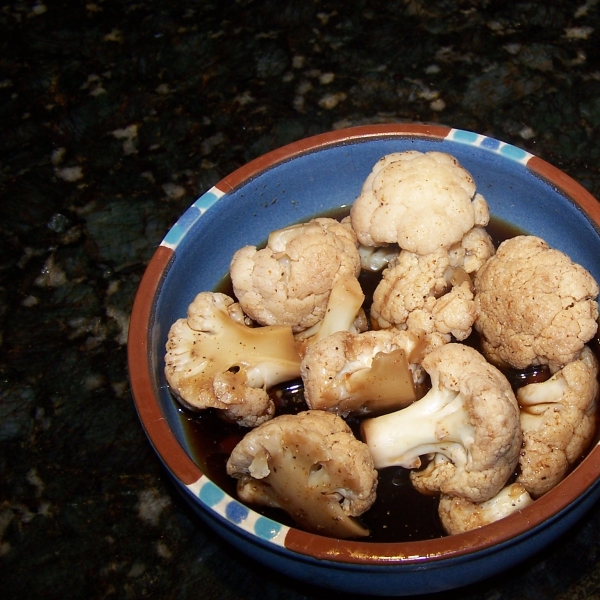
(309, 178)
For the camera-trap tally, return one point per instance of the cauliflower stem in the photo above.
(436, 423)
(215, 361)
(467, 425)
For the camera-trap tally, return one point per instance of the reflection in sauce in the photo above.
(400, 513)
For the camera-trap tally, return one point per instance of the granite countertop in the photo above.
(116, 117)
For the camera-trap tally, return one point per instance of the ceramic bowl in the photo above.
(294, 183)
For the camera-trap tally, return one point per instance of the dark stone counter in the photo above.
(115, 117)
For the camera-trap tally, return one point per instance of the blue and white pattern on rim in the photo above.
(482, 141)
(190, 216)
(236, 513)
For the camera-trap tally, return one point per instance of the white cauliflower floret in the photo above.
(425, 294)
(535, 305)
(473, 250)
(344, 313)
(214, 360)
(289, 281)
(459, 515)
(360, 373)
(311, 466)
(422, 202)
(558, 419)
(467, 425)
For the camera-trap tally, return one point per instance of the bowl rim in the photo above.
(570, 490)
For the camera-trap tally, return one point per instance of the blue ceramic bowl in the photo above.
(295, 183)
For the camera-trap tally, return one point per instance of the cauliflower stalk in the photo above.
(424, 202)
(467, 425)
(535, 305)
(311, 466)
(558, 420)
(361, 373)
(214, 360)
(289, 281)
(344, 313)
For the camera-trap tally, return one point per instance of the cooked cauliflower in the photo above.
(360, 373)
(424, 202)
(535, 305)
(214, 360)
(289, 281)
(459, 515)
(344, 312)
(311, 466)
(473, 250)
(558, 420)
(375, 259)
(467, 425)
(424, 293)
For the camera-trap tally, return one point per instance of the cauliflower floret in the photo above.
(558, 419)
(472, 252)
(425, 294)
(344, 313)
(467, 425)
(360, 373)
(459, 515)
(214, 360)
(535, 305)
(423, 202)
(289, 281)
(311, 466)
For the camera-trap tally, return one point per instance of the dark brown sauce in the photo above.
(400, 513)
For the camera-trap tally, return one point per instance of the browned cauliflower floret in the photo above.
(467, 425)
(535, 305)
(311, 466)
(459, 515)
(558, 419)
(425, 294)
(289, 281)
(423, 202)
(360, 373)
(214, 360)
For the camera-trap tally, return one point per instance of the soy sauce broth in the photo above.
(400, 513)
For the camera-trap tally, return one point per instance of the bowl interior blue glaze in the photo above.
(331, 177)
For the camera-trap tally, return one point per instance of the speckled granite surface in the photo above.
(114, 118)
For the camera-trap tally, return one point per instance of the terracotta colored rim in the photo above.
(178, 462)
